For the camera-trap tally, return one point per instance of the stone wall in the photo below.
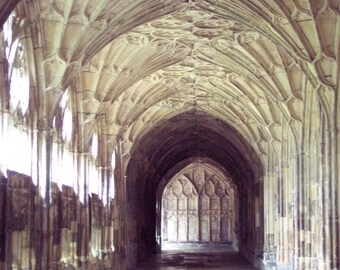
(77, 235)
(199, 208)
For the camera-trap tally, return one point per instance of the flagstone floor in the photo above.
(195, 259)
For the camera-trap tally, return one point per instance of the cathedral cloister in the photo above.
(130, 127)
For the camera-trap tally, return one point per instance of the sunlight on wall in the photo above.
(11, 47)
(16, 141)
(67, 126)
(63, 167)
(94, 147)
(95, 183)
(19, 153)
(16, 151)
(27, 152)
(99, 182)
(67, 171)
(112, 182)
(20, 83)
(17, 66)
(67, 120)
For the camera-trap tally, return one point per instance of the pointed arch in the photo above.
(198, 208)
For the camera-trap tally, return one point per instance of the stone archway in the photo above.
(199, 209)
(163, 152)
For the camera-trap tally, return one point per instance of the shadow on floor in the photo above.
(196, 259)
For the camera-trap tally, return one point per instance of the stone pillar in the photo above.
(42, 142)
(287, 177)
(120, 228)
(108, 224)
(270, 212)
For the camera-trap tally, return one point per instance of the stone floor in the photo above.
(195, 259)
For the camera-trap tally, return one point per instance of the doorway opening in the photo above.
(199, 209)
(193, 139)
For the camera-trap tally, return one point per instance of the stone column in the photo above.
(120, 228)
(270, 211)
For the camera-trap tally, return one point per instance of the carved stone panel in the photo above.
(198, 206)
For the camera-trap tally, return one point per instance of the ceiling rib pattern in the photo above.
(246, 63)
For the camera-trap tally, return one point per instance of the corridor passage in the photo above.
(196, 259)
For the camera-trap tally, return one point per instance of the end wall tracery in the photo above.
(199, 209)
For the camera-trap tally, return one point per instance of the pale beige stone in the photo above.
(250, 87)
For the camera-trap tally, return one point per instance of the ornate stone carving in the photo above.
(198, 206)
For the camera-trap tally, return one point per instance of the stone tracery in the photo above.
(199, 208)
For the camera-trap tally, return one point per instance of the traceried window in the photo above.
(199, 209)
(19, 87)
(18, 72)
(15, 139)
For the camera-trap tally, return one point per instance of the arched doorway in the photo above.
(199, 209)
(164, 151)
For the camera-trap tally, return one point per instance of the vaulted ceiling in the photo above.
(248, 63)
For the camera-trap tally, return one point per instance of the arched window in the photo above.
(19, 87)
(199, 209)
(18, 72)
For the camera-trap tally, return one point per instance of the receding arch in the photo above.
(174, 143)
